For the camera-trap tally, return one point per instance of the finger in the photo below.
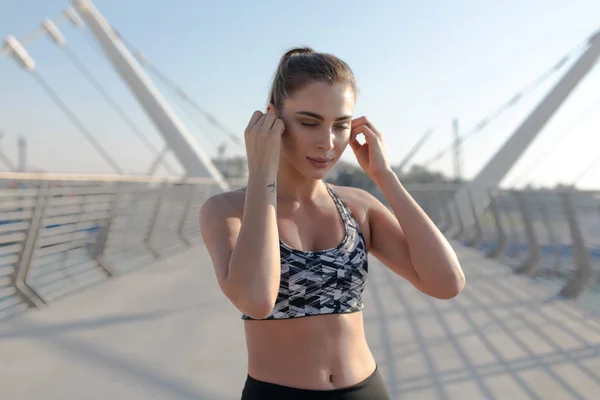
(370, 133)
(359, 121)
(265, 123)
(363, 121)
(269, 121)
(278, 127)
(259, 124)
(365, 130)
(374, 130)
(354, 144)
(254, 119)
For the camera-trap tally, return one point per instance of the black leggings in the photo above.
(372, 388)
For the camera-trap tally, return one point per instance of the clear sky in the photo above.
(418, 65)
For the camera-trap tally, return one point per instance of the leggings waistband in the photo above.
(371, 388)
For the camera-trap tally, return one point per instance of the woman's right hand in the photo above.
(263, 141)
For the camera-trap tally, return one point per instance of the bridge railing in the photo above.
(550, 235)
(62, 233)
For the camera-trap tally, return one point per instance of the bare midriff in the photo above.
(322, 352)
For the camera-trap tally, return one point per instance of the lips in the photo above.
(319, 162)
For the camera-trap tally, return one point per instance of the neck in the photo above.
(293, 186)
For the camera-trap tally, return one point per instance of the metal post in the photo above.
(478, 235)
(33, 297)
(583, 269)
(500, 232)
(533, 254)
(104, 236)
(447, 220)
(178, 139)
(188, 205)
(427, 207)
(160, 193)
(459, 221)
(436, 207)
(457, 151)
(22, 163)
(551, 237)
(513, 249)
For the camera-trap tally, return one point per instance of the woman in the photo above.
(290, 251)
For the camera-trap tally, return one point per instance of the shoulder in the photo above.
(360, 203)
(223, 205)
(220, 223)
(355, 198)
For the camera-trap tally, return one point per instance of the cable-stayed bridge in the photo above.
(104, 279)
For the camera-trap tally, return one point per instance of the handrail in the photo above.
(60, 233)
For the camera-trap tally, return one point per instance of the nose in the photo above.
(325, 140)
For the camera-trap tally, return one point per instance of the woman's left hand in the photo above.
(370, 155)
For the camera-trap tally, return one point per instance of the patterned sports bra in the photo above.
(322, 282)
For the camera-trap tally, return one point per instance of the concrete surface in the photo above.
(165, 331)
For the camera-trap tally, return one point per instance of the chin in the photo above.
(317, 175)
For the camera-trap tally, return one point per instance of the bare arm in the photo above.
(409, 243)
(406, 241)
(254, 268)
(245, 252)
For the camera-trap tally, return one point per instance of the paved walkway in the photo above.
(166, 332)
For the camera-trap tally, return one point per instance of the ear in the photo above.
(270, 108)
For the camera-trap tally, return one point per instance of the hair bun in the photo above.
(297, 51)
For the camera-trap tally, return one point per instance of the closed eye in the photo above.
(315, 125)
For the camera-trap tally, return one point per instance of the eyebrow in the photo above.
(320, 117)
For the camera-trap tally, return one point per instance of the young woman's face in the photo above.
(317, 127)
